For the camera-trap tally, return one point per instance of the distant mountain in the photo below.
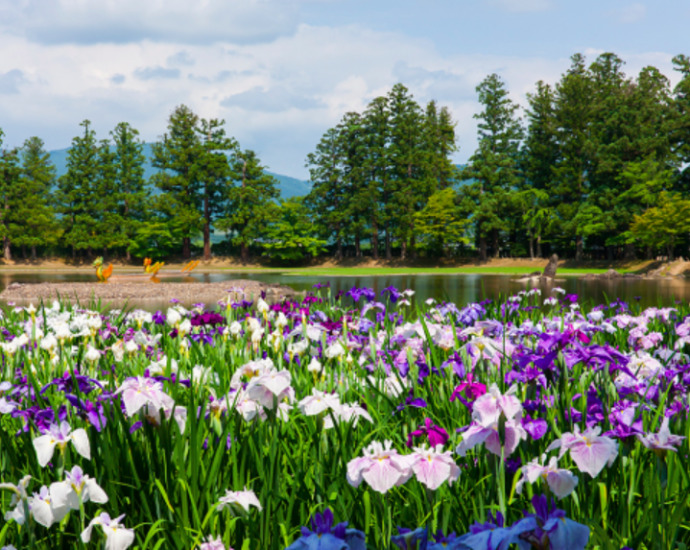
(288, 186)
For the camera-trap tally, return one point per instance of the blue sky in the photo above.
(281, 72)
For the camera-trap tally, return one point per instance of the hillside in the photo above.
(288, 186)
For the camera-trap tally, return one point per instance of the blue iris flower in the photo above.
(323, 536)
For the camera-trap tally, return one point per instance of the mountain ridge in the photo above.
(287, 185)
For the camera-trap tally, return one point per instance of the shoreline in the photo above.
(364, 267)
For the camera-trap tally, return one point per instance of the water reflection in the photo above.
(457, 288)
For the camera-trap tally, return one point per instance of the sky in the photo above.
(282, 72)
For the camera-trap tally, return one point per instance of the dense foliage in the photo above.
(532, 422)
(595, 166)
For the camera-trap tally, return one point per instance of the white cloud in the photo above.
(124, 21)
(277, 97)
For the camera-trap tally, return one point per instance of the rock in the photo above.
(611, 274)
(551, 267)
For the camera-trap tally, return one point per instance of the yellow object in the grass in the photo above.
(102, 274)
(147, 264)
(155, 268)
(190, 266)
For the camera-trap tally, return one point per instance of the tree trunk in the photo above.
(629, 252)
(244, 253)
(374, 241)
(413, 247)
(403, 249)
(358, 248)
(389, 252)
(7, 249)
(539, 254)
(339, 249)
(579, 248)
(128, 255)
(531, 245)
(207, 228)
(33, 251)
(482, 249)
(494, 238)
(24, 254)
(186, 248)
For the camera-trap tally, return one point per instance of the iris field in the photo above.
(526, 422)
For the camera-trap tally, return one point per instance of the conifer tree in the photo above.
(130, 185)
(33, 219)
(377, 171)
(327, 199)
(77, 193)
(494, 166)
(9, 183)
(411, 183)
(250, 205)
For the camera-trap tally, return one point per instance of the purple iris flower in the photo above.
(412, 401)
(393, 294)
(203, 338)
(456, 362)
(67, 383)
(92, 411)
(323, 536)
(158, 317)
(356, 293)
(435, 435)
(207, 318)
(536, 428)
(470, 314)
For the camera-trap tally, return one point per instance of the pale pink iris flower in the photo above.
(271, 387)
(140, 391)
(318, 402)
(381, 467)
(662, 441)
(589, 450)
(432, 467)
(487, 411)
(560, 481)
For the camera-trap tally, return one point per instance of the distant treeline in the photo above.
(599, 167)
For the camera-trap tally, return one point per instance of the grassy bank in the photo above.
(347, 268)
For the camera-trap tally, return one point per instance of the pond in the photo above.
(458, 288)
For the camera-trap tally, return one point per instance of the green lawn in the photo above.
(373, 271)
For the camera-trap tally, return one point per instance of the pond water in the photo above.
(459, 288)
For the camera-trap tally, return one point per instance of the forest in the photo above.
(595, 166)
